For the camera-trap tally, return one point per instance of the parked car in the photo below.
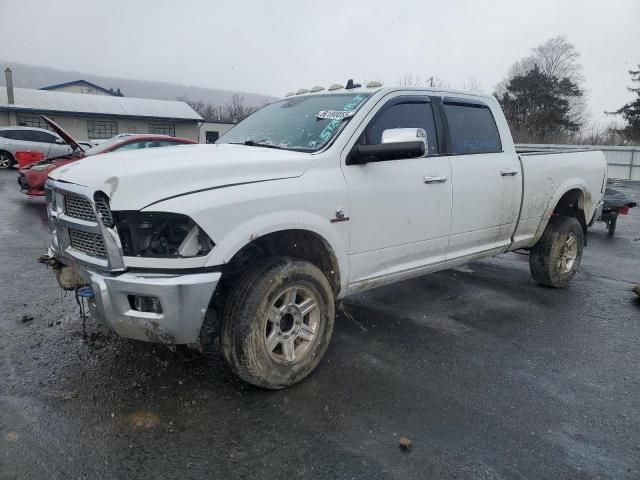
(33, 177)
(308, 200)
(17, 139)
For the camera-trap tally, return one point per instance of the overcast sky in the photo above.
(272, 47)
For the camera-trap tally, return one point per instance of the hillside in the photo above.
(32, 76)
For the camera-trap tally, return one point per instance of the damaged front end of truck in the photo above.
(87, 250)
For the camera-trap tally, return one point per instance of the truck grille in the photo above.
(78, 207)
(80, 221)
(88, 243)
(104, 212)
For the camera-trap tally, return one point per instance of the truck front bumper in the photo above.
(160, 308)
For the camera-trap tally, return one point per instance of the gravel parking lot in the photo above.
(488, 374)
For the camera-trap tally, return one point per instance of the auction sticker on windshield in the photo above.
(335, 114)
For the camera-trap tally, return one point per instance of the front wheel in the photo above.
(278, 321)
(555, 259)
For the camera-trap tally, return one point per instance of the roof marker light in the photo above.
(374, 84)
(335, 86)
(317, 89)
(301, 91)
(289, 94)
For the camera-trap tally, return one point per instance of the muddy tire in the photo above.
(277, 322)
(555, 259)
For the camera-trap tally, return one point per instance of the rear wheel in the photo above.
(555, 259)
(278, 321)
(6, 160)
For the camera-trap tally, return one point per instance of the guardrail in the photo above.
(624, 162)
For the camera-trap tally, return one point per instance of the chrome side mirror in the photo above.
(400, 135)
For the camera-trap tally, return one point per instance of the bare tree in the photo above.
(237, 110)
(557, 57)
(599, 135)
(472, 84)
(233, 111)
(411, 80)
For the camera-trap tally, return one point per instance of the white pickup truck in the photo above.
(310, 199)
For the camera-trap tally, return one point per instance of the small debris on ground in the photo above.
(26, 318)
(405, 444)
(636, 290)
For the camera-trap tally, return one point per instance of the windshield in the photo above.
(103, 146)
(295, 123)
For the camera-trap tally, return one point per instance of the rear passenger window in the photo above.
(15, 135)
(472, 129)
(404, 115)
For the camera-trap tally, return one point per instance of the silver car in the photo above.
(22, 139)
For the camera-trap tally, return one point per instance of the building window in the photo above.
(160, 128)
(26, 120)
(211, 136)
(101, 128)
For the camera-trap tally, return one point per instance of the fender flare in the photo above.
(262, 225)
(561, 191)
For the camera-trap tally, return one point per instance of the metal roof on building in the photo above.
(106, 105)
(78, 82)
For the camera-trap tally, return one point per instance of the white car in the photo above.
(29, 139)
(308, 200)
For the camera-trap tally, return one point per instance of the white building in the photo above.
(211, 131)
(82, 86)
(89, 117)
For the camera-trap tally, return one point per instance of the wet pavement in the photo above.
(489, 376)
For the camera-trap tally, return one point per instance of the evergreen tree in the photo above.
(631, 111)
(538, 106)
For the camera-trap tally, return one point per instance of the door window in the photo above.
(26, 135)
(43, 137)
(472, 129)
(411, 114)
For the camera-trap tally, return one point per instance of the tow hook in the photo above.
(67, 277)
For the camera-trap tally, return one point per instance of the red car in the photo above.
(33, 177)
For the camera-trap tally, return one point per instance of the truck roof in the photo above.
(334, 89)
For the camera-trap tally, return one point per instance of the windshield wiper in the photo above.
(253, 143)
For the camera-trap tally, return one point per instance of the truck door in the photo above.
(400, 210)
(487, 183)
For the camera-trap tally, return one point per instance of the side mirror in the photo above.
(398, 135)
(397, 143)
(60, 141)
(386, 151)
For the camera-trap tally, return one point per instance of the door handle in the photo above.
(508, 172)
(435, 179)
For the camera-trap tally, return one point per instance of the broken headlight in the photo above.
(158, 234)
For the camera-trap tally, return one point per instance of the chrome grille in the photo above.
(88, 243)
(104, 212)
(78, 207)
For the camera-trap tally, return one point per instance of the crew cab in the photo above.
(33, 176)
(312, 198)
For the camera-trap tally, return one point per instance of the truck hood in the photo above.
(136, 179)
